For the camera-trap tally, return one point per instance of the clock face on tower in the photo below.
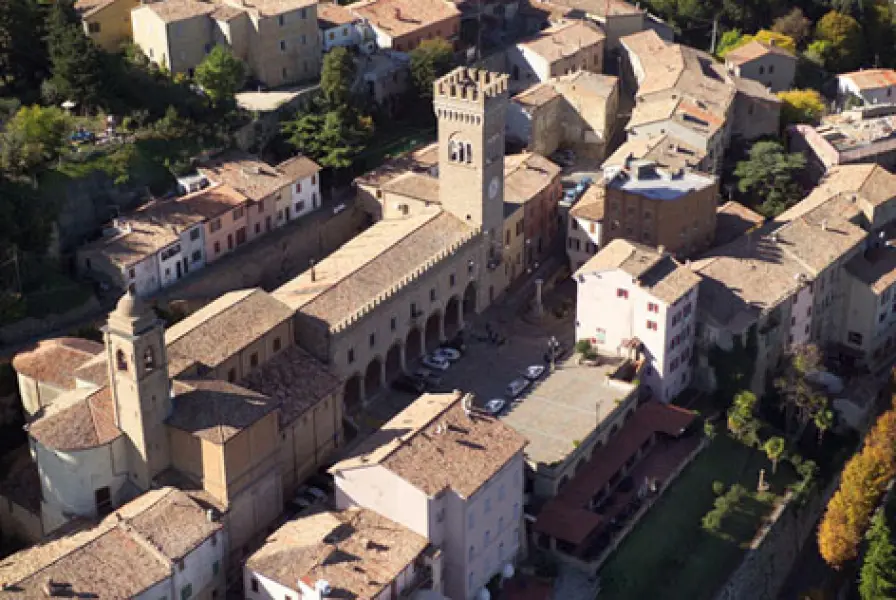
(493, 188)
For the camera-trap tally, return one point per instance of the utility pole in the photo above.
(715, 33)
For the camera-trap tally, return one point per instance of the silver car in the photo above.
(516, 387)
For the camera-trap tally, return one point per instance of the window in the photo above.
(231, 375)
(854, 337)
(194, 234)
(149, 360)
(302, 13)
(253, 360)
(216, 566)
(651, 325)
(351, 355)
(761, 70)
(313, 179)
(281, 20)
(470, 521)
(258, 228)
(451, 280)
(277, 344)
(214, 538)
(217, 247)
(180, 565)
(132, 273)
(393, 323)
(771, 69)
(652, 307)
(300, 206)
(282, 45)
(215, 225)
(413, 309)
(332, 36)
(93, 27)
(197, 256)
(254, 585)
(238, 213)
(299, 187)
(305, 41)
(186, 591)
(432, 295)
(471, 554)
(372, 339)
(621, 293)
(120, 362)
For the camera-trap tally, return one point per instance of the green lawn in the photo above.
(669, 555)
(393, 141)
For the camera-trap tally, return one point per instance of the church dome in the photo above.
(130, 306)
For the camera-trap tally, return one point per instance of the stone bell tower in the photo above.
(141, 390)
(470, 107)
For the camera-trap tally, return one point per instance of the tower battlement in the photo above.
(471, 85)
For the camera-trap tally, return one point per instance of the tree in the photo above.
(709, 430)
(221, 75)
(333, 139)
(767, 176)
(824, 420)
(801, 398)
(729, 40)
(75, 61)
(774, 448)
(429, 61)
(878, 30)
(795, 25)
(877, 578)
(741, 421)
(32, 137)
(845, 37)
(801, 106)
(23, 55)
(337, 77)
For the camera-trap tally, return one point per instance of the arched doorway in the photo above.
(432, 333)
(452, 316)
(470, 300)
(373, 377)
(413, 347)
(354, 394)
(393, 361)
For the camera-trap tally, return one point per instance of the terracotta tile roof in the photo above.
(294, 381)
(537, 95)
(330, 14)
(414, 185)
(226, 13)
(376, 262)
(359, 552)
(585, 85)
(272, 8)
(876, 268)
(114, 558)
(591, 205)
(254, 178)
(77, 421)
(526, 175)
(869, 79)
(95, 371)
(566, 516)
(819, 238)
(733, 220)
(598, 8)
(659, 274)
(434, 445)
(666, 151)
(420, 160)
(755, 49)
(216, 410)
(54, 361)
(397, 18)
(873, 183)
(564, 40)
(754, 89)
(222, 328)
(178, 10)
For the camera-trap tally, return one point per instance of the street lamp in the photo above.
(553, 346)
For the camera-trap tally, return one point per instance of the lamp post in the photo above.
(553, 346)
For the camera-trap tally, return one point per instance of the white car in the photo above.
(433, 361)
(495, 406)
(533, 372)
(449, 354)
(516, 387)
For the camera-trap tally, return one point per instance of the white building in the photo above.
(340, 27)
(559, 50)
(302, 559)
(631, 296)
(185, 255)
(451, 474)
(161, 545)
(869, 86)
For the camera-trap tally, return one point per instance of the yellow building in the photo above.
(107, 22)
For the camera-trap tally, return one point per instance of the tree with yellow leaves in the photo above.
(765, 36)
(801, 106)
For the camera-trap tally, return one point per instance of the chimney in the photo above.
(313, 272)
(397, 13)
(661, 249)
(824, 224)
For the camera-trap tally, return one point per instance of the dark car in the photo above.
(412, 385)
(457, 343)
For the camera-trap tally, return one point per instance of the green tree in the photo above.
(221, 75)
(801, 106)
(878, 28)
(845, 37)
(763, 35)
(877, 578)
(742, 423)
(333, 139)
(824, 420)
(33, 136)
(429, 61)
(774, 448)
(801, 399)
(767, 176)
(337, 76)
(730, 40)
(795, 25)
(23, 54)
(75, 61)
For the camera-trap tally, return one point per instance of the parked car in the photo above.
(495, 406)
(457, 343)
(428, 378)
(449, 354)
(317, 493)
(435, 362)
(407, 383)
(516, 387)
(322, 481)
(533, 372)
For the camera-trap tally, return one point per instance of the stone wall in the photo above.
(768, 562)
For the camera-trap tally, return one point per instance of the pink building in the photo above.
(226, 218)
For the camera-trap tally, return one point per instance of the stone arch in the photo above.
(433, 333)
(394, 362)
(413, 345)
(452, 316)
(373, 376)
(354, 392)
(581, 464)
(469, 301)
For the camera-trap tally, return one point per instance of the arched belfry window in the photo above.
(462, 153)
(121, 362)
(149, 359)
(453, 148)
(469, 152)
